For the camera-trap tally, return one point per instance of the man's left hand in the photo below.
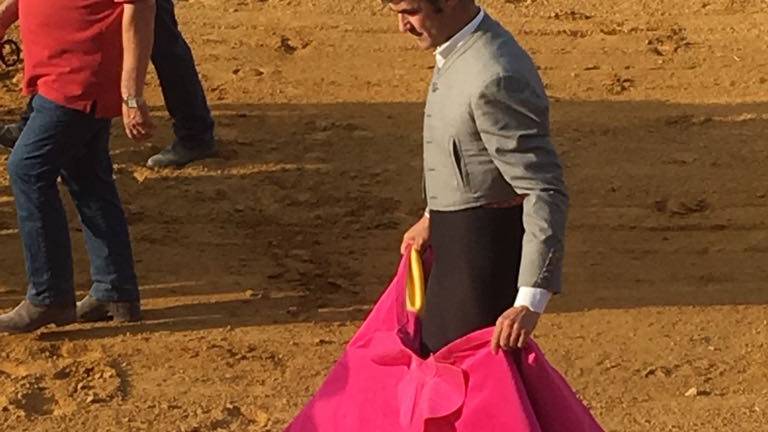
(138, 122)
(513, 328)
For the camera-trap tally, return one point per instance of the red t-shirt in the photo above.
(73, 52)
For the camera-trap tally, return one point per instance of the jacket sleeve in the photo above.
(512, 116)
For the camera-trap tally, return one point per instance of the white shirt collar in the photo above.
(445, 50)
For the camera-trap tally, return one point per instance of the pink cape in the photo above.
(381, 385)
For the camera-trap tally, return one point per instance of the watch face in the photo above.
(131, 102)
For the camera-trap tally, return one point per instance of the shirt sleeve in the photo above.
(536, 299)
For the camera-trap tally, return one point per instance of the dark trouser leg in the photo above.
(34, 167)
(182, 91)
(474, 277)
(10, 133)
(88, 176)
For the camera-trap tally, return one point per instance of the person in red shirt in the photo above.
(183, 93)
(85, 63)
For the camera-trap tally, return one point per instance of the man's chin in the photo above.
(426, 44)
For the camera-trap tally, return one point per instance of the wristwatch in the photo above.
(133, 102)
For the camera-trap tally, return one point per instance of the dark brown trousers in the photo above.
(474, 274)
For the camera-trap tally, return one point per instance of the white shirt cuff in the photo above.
(535, 299)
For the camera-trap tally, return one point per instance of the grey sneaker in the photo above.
(178, 156)
(27, 317)
(90, 309)
(9, 134)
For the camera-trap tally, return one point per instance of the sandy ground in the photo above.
(257, 266)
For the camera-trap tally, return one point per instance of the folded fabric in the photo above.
(381, 384)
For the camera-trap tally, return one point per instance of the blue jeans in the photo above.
(179, 81)
(60, 142)
(183, 94)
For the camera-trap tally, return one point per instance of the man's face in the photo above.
(421, 19)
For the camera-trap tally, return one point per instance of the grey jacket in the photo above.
(486, 140)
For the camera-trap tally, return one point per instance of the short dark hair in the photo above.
(435, 3)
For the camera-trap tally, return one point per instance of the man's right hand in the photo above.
(417, 236)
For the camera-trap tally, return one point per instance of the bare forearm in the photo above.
(9, 14)
(138, 38)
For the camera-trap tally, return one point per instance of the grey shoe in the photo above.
(27, 317)
(9, 134)
(178, 156)
(92, 310)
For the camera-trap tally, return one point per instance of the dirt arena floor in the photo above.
(256, 267)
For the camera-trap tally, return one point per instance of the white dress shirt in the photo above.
(445, 50)
(535, 299)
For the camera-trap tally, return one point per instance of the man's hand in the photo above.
(138, 122)
(138, 37)
(9, 14)
(513, 328)
(417, 236)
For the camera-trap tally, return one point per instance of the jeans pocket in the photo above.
(55, 111)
